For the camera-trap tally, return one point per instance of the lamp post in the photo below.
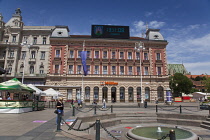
(28, 46)
(139, 46)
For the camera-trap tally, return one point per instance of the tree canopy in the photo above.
(179, 84)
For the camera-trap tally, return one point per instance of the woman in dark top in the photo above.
(60, 107)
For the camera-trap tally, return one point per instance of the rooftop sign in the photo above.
(107, 31)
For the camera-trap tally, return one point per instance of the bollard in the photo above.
(172, 135)
(180, 109)
(111, 109)
(95, 110)
(156, 108)
(49, 104)
(73, 111)
(59, 121)
(37, 104)
(97, 129)
(139, 105)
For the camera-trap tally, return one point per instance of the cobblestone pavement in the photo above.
(40, 125)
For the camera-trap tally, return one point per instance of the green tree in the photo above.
(179, 84)
(207, 84)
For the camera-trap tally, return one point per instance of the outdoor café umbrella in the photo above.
(15, 84)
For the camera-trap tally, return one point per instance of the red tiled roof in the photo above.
(194, 76)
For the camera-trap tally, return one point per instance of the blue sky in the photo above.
(185, 24)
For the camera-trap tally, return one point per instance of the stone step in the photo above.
(205, 126)
(182, 116)
(206, 122)
(178, 121)
(137, 121)
(135, 115)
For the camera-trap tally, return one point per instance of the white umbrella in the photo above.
(38, 91)
(52, 92)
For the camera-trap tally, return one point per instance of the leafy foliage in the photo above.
(179, 84)
(207, 84)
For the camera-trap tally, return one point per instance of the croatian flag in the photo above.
(83, 58)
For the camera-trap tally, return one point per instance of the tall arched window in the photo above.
(87, 93)
(130, 94)
(122, 93)
(147, 93)
(138, 93)
(160, 93)
(96, 91)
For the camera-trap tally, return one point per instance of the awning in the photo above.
(38, 91)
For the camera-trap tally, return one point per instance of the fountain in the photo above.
(157, 132)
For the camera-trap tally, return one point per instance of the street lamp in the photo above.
(139, 46)
(28, 46)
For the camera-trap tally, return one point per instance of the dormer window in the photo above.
(60, 33)
(156, 37)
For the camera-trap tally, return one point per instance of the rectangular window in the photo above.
(44, 40)
(138, 70)
(158, 56)
(71, 69)
(88, 54)
(57, 69)
(129, 55)
(145, 56)
(137, 56)
(88, 68)
(113, 70)
(159, 70)
(10, 70)
(31, 69)
(79, 54)
(42, 55)
(79, 69)
(35, 40)
(41, 71)
(57, 53)
(146, 71)
(23, 56)
(130, 70)
(121, 70)
(13, 39)
(121, 55)
(33, 54)
(96, 54)
(71, 54)
(69, 94)
(11, 54)
(113, 55)
(25, 39)
(105, 55)
(105, 70)
(96, 70)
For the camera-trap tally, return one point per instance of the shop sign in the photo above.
(108, 83)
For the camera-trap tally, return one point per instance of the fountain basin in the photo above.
(151, 133)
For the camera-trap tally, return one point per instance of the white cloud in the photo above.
(191, 47)
(140, 26)
(147, 14)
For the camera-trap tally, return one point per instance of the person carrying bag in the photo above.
(60, 108)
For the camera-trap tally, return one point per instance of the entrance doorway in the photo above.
(104, 93)
(113, 95)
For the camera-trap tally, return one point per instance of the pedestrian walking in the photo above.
(104, 104)
(60, 108)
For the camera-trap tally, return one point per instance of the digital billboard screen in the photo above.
(108, 31)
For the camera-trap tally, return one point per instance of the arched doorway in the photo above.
(138, 94)
(130, 94)
(160, 94)
(113, 94)
(87, 94)
(147, 94)
(122, 94)
(95, 95)
(105, 93)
